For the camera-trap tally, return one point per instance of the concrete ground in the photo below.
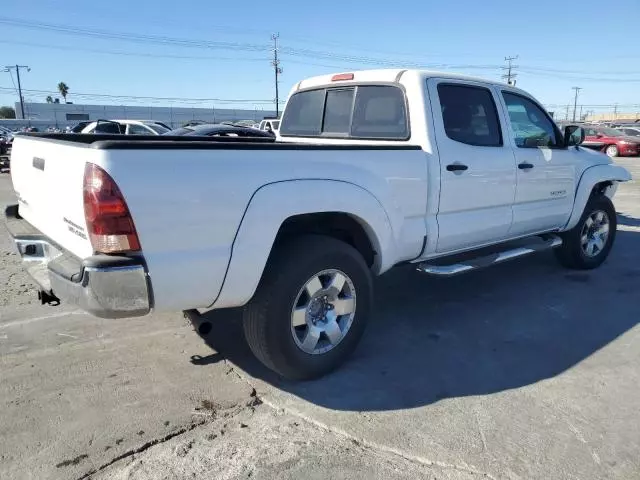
(522, 371)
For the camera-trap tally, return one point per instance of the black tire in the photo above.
(267, 317)
(571, 253)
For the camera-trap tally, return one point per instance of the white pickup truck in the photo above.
(371, 169)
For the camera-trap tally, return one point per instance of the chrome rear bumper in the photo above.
(103, 285)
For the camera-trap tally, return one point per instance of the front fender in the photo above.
(272, 204)
(591, 177)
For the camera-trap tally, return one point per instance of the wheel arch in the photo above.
(339, 225)
(598, 179)
(279, 210)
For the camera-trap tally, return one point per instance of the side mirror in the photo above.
(573, 135)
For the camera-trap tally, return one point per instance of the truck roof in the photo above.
(391, 75)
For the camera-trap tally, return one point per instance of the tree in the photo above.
(7, 112)
(64, 90)
(49, 99)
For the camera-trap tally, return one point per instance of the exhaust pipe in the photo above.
(202, 326)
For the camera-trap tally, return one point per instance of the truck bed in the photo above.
(172, 142)
(188, 196)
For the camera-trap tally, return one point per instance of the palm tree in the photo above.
(49, 99)
(64, 90)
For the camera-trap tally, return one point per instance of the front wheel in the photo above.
(588, 244)
(311, 307)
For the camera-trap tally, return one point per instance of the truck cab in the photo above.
(492, 141)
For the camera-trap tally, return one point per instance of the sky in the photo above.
(204, 53)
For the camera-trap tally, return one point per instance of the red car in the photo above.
(614, 142)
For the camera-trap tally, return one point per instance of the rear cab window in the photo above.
(356, 112)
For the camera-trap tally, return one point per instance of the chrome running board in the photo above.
(551, 241)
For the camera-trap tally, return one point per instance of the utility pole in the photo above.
(17, 68)
(575, 101)
(566, 115)
(615, 111)
(510, 77)
(276, 68)
(580, 117)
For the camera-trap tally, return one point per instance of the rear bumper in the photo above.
(105, 286)
(628, 150)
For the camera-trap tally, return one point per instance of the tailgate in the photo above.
(47, 177)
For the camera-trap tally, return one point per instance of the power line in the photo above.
(580, 77)
(13, 82)
(286, 51)
(183, 42)
(133, 54)
(137, 97)
(510, 76)
(132, 37)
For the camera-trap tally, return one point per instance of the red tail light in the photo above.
(109, 222)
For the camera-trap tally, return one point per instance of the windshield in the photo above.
(159, 129)
(611, 132)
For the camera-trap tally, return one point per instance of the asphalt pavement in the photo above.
(521, 371)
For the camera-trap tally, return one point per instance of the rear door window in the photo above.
(376, 112)
(469, 115)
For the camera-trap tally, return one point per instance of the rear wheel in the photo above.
(311, 307)
(588, 244)
(612, 150)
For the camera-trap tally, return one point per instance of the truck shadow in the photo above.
(486, 332)
(628, 221)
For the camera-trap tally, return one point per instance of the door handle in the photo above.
(525, 166)
(456, 167)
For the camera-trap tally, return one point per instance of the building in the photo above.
(61, 115)
(624, 117)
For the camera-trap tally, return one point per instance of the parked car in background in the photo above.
(630, 131)
(125, 127)
(270, 125)
(614, 142)
(246, 123)
(216, 130)
(6, 140)
(191, 123)
(78, 127)
(4, 144)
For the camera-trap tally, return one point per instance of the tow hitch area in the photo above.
(48, 298)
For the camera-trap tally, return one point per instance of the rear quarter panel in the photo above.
(188, 205)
